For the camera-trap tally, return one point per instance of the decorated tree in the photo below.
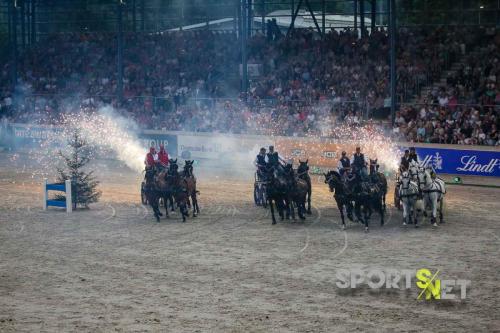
(84, 185)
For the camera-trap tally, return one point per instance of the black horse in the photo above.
(378, 178)
(276, 193)
(152, 194)
(303, 173)
(366, 197)
(342, 195)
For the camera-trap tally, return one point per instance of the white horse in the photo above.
(433, 192)
(408, 193)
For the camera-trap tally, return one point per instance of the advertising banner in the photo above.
(220, 147)
(466, 162)
(169, 141)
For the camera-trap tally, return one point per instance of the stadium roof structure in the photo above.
(283, 18)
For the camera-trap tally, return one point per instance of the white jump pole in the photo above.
(69, 197)
(45, 194)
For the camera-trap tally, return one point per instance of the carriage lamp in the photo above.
(457, 180)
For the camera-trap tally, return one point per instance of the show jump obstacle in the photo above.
(61, 187)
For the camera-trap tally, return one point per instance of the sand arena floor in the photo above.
(112, 268)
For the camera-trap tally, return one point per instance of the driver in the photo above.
(260, 163)
(274, 160)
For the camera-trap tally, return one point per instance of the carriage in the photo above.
(259, 191)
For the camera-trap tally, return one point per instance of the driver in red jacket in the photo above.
(162, 158)
(151, 158)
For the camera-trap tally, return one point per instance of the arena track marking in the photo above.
(113, 214)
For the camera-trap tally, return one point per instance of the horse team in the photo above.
(168, 186)
(419, 190)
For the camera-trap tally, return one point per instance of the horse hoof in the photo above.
(161, 214)
(404, 224)
(274, 222)
(343, 226)
(434, 224)
(366, 229)
(302, 217)
(416, 225)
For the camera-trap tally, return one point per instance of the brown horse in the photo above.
(303, 173)
(297, 192)
(190, 180)
(178, 187)
(164, 190)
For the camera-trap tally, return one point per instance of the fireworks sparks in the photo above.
(109, 135)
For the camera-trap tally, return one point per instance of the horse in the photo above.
(178, 187)
(164, 190)
(297, 190)
(303, 173)
(152, 193)
(276, 192)
(342, 196)
(191, 186)
(379, 179)
(408, 193)
(367, 196)
(433, 190)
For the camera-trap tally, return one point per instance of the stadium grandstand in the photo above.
(177, 65)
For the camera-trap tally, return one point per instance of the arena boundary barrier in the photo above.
(61, 187)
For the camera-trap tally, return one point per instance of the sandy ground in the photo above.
(112, 268)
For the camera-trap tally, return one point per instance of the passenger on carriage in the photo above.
(344, 165)
(162, 162)
(413, 155)
(261, 164)
(151, 158)
(405, 161)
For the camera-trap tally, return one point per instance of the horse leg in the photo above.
(434, 210)
(301, 208)
(171, 199)
(272, 209)
(193, 198)
(382, 211)
(156, 211)
(441, 219)
(309, 192)
(405, 211)
(341, 210)
(367, 219)
(348, 205)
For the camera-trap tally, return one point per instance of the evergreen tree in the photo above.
(84, 184)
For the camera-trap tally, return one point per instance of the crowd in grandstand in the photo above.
(303, 84)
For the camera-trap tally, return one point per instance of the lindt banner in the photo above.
(466, 162)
